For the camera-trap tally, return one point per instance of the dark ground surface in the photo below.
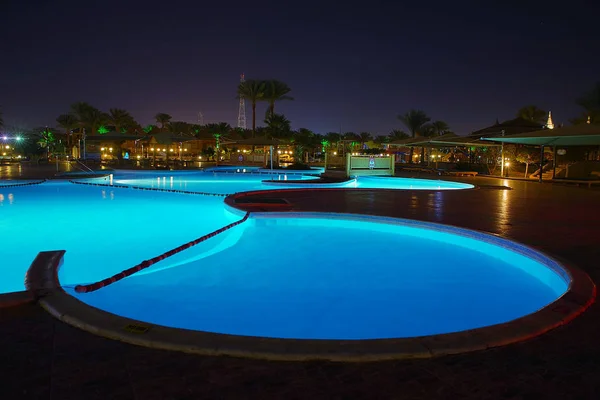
(42, 358)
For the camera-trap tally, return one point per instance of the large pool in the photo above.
(330, 276)
(307, 276)
(242, 179)
(101, 223)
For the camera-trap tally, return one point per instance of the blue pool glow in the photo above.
(115, 228)
(336, 277)
(242, 179)
(289, 276)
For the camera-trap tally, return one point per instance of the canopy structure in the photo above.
(512, 126)
(447, 140)
(168, 138)
(461, 141)
(576, 135)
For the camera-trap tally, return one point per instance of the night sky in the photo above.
(354, 65)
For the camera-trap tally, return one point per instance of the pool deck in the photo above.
(45, 358)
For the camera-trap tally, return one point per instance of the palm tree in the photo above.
(80, 110)
(303, 140)
(46, 140)
(88, 116)
(253, 90)
(148, 129)
(275, 90)
(440, 127)
(333, 138)
(381, 139)
(121, 119)
(532, 113)
(68, 122)
(180, 127)
(163, 119)
(222, 128)
(364, 138)
(350, 139)
(428, 130)
(94, 119)
(414, 121)
(1, 120)
(590, 102)
(218, 130)
(398, 134)
(278, 126)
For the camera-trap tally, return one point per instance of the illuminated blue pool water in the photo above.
(110, 227)
(336, 278)
(289, 276)
(228, 181)
(77, 218)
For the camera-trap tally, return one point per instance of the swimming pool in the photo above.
(332, 276)
(229, 181)
(325, 280)
(87, 221)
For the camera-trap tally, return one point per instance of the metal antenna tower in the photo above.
(242, 108)
(200, 118)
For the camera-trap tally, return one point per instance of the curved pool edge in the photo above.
(580, 296)
(313, 187)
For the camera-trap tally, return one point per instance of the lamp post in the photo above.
(217, 152)
(325, 145)
(83, 144)
(502, 155)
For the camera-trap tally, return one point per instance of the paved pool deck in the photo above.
(43, 358)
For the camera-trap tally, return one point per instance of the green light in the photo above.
(19, 138)
(102, 130)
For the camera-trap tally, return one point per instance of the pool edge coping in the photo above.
(580, 295)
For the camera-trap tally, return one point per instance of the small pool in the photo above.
(332, 276)
(230, 180)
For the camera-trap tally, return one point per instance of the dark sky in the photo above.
(355, 64)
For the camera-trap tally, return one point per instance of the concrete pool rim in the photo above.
(579, 296)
